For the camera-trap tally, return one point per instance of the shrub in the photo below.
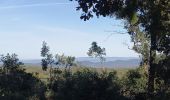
(134, 83)
(87, 85)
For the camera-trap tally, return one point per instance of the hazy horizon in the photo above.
(88, 57)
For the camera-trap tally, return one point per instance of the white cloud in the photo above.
(32, 5)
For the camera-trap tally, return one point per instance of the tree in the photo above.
(59, 60)
(152, 17)
(70, 61)
(142, 47)
(96, 51)
(47, 59)
(15, 83)
(10, 63)
(66, 61)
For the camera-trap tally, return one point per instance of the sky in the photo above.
(25, 24)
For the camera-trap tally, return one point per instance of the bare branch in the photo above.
(111, 33)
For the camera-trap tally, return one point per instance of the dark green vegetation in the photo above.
(16, 84)
(148, 23)
(77, 84)
(74, 83)
(97, 51)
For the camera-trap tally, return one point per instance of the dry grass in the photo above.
(45, 74)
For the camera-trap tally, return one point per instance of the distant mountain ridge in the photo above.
(107, 59)
(111, 62)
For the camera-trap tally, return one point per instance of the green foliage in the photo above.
(15, 83)
(45, 49)
(163, 79)
(163, 69)
(20, 86)
(59, 60)
(66, 61)
(151, 17)
(83, 84)
(96, 51)
(87, 85)
(141, 44)
(47, 57)
(134, 83)
(10, 63)
(70, 60)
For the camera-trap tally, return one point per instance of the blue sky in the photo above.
(24, 24)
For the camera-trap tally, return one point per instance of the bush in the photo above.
(87, 85)
(134, 84)
(15, 83)
(20, 86)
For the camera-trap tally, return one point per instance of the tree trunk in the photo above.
(50, 74)
(151, 72)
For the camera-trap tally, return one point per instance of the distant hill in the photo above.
(107, 59)
(111, 62)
